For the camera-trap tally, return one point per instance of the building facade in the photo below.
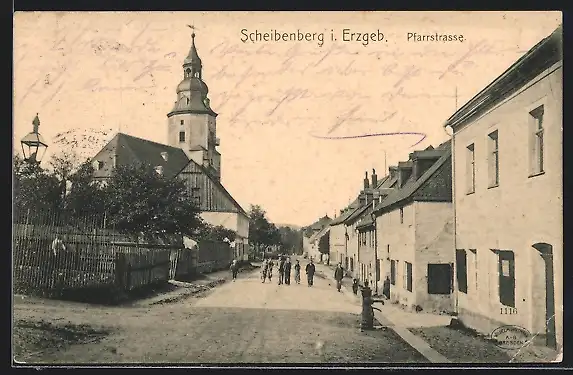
(309, 233)
(508, 198)
(414, 232)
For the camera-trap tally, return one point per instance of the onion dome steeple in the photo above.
(192, 90)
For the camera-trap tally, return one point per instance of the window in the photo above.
(401, 215)
(183, 121)
(470, 170)
(462, 271)
(181, 136)
(159, 170)
(506, 278)
(408, 276)
(493, 160)
(393, 272)
(439, 278)
(97, 165)
(351, 264)
(114, 161)
(378, 270)
(536, 136)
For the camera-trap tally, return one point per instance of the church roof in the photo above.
(130, 150)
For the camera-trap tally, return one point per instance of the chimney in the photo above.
(404, 172)
(393, 172)
(366, 181)
(374, 179)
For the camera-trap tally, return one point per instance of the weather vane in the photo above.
(192, 27)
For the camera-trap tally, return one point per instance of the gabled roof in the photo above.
(216, 183)
(318, 235)
(412, 185)
(349, 211)
(130, 150)
(539, 58)
(320, 223)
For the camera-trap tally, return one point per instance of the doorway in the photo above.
(545, 251)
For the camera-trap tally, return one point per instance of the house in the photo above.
(309, 232)
(344, 235)
(320, 245)
(414, 231)
(190, 154)
(368, 257)
(508, 198)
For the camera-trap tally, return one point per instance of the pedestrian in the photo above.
(57, 245)
(355, 286)
(287, 268)
(234, 269)
(270, 269)
(386, 288)
(310, 272)
(297, 272)
(281, 270)
(338, 276)
(264, 269)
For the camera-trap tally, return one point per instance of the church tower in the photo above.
(191, 122)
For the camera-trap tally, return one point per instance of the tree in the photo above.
(85, 197)
(261, 231)
(35, 191)
(216, 233)
(139, 200)
(291, 239)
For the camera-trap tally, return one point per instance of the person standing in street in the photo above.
(235, 269)
(264, 269)
(297, 272)
(310, 273)
(270, 269)
(287, 271)
(338, 276)
(281, 270)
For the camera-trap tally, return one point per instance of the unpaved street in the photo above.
(241, 322)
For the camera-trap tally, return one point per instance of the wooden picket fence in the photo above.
(92, 258)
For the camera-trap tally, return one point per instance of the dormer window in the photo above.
(164, 155)
(97, 165)
(159, 170)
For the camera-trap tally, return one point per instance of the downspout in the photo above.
(376, 265)
(455, 286)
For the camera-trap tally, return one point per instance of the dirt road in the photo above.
(239, 322)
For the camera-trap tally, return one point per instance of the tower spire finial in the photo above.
(192, 27)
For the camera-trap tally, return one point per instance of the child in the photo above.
(355, 286)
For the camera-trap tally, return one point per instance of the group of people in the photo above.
(284, 267)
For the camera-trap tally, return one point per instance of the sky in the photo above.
(300, 121)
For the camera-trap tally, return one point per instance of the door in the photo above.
(507, 278)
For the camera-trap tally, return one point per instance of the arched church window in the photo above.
(187, 72)
(197, 74)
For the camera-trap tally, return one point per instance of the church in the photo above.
(190, 154)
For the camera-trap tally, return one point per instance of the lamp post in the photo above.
(33, 145)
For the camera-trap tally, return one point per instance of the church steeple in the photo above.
(192, 63)
(192, 122)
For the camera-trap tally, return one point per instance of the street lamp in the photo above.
(33, 145)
